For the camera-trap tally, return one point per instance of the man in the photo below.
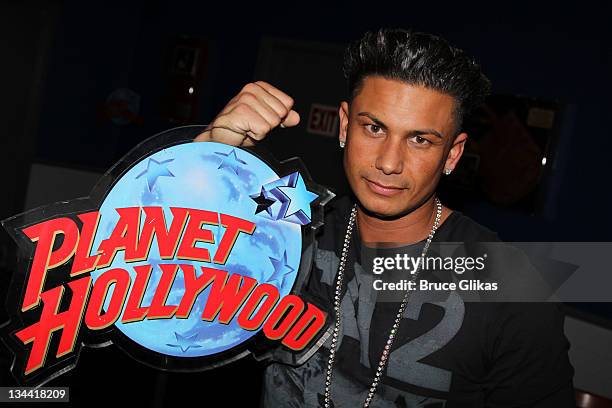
(401, 132)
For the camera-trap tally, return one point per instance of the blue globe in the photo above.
(214, 177)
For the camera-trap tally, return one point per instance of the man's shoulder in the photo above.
(336, 216)
(463, 228)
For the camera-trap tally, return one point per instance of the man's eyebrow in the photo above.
(418, 132)
(374, 119)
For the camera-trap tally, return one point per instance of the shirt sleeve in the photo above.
(529, 364)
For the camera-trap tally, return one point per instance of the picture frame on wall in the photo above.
(185, 60)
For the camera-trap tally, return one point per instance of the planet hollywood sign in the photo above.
(187, 255)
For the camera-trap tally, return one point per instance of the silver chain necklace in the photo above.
(398, 318)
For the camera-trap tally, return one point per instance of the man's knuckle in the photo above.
(289, 102)
(283, 111)
(249, 88)
(275, 121)
(242, 109)
(247, 97)
(262, 83)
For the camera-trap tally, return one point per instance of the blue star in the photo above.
(281, 270)
(184, 342)
(299, 199)
(230, 161)
(154, 170)
(280, 201)
(287, 199)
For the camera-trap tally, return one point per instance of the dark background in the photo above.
(61, 60)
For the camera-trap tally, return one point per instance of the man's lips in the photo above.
(383, 189)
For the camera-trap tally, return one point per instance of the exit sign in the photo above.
(323, 120)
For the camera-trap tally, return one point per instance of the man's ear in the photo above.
(343, 113)
(456, 151)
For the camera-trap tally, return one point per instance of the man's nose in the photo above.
(390, 156)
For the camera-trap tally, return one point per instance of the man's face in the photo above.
(399, 139)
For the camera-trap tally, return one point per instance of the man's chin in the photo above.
(381, 210)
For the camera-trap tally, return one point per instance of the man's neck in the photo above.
(409, 229)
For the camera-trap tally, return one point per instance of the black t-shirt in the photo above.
(448, 353)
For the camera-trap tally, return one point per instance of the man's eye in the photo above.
(373, 128)
(421, 140)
